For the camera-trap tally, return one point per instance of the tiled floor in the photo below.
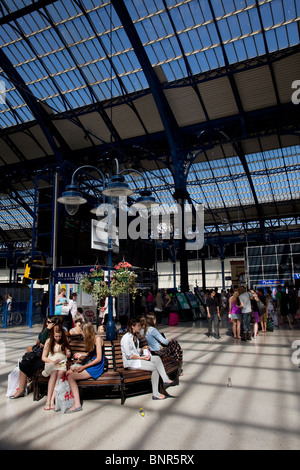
(260, 410)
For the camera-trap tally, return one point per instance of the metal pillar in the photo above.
(54, 244)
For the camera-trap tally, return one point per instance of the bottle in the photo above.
(229, 384)
(141, 411)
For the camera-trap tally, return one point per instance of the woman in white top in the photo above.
(73, 304)
(136, 358)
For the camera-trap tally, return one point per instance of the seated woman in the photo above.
(101, 331)
(31, 362)
(77, 330)
(92, 366)
(55, 354)
(136, 358)
(159, 345)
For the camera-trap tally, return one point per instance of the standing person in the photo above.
(93, 364)
(246, 313)
(60, 301)
(167, 304)
(9, 302)
(236, 315)
(158, 307)
(55, 354)
(150, 300)
(270, 306)
(283, 306)
(263, 316)
(213, 314)
(144, 303)
(255, 313)
(224, 301)
(73, 305)
(133, 358)
(292, 293)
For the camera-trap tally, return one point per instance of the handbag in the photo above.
(86, 360)
(64, 398)
(37, 351)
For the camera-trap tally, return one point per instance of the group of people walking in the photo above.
(250, 311)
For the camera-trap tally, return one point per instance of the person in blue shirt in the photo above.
(159, 345)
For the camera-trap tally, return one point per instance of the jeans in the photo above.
(214, 319)
(246, 322)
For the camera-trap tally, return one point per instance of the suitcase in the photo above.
(173, 319)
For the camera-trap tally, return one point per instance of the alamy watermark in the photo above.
(2, 352)
(2, 92)
(162, 222)
(296, 94)
(296, 354)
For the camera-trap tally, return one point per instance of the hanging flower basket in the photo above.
(87, 283)
(95, 285)
(123, 280)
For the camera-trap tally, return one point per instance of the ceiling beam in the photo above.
(21, 12)
(171, 127)
(34, 105)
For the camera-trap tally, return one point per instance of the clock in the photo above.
(164, 227)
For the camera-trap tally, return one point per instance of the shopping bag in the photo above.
(13, 381)
(63, 395)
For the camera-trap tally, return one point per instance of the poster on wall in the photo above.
(90, 313)
(87, 299)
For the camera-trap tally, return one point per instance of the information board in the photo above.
(183, 301)
(191, 298)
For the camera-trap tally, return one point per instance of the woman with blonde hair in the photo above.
(236, 315)
(60, 301)
(91, 366)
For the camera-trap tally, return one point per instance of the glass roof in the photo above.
(72, 53)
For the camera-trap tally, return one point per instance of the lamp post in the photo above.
(113, 186)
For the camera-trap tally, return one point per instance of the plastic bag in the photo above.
(13, 381)
(63, 395)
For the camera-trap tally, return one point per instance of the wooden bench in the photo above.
(130, 378)
(109, 379)
(115, 381)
